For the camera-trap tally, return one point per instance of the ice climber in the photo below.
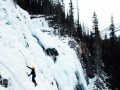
(33, 74)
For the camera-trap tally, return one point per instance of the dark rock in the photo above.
(5, 82)
(0, 80)
(51, 52)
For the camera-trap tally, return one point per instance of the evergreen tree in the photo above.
(39, 11)
(112, 33)
(21, 3)
(59, 13)
(53, 7)
(105, 37)
(47, 7)
(33, 7)
(79, 32)
(71, 19)
(111, 55)
(60, 18)
(79, 28)
(63, 6)
(90, 46)
(97, 51)
(67, 23)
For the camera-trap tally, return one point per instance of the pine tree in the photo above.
(39, 11)
(67, 23)
(111, 55)
(79, 28)
(63, 6)
(60, 18)
(97, 51)
(33, 7)
(112, 33)
(105, 37)
(71, 19)
(53, 7)
(21, 3)
(79, 32)
(47, 7)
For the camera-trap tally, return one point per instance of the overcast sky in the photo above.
(103, 8)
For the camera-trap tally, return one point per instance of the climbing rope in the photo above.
(24, 57)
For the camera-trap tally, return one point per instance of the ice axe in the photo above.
(26, 63)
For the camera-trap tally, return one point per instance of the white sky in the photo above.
(103, 8)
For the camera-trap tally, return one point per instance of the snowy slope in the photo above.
(18, 45)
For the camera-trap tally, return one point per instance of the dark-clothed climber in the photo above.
(33, 74)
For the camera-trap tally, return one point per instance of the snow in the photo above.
(18, 46)
(93, 86)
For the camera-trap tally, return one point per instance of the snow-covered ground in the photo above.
(18, 46)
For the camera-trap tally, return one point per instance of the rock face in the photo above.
(3, 82)
(0, 80)
(51, 52)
